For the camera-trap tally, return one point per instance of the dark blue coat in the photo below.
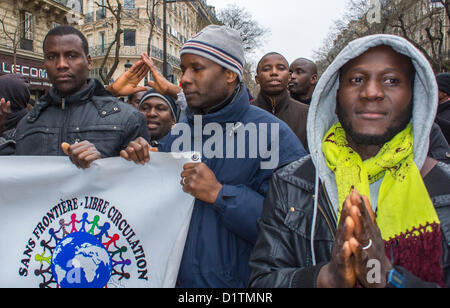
(221, 235)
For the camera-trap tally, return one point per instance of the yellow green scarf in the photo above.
(403, 201)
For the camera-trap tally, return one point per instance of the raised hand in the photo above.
(367, 244)
(128, 82)
(161, 84)
(339, 272)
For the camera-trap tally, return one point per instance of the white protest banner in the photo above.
(116, 224)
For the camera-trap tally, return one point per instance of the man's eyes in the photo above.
(386, 81)
(356, 80)
(391, 81)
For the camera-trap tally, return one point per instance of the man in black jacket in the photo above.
(77, 111)
(273, 78)
(369, 137)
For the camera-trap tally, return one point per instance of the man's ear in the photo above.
(231, 76)
(337, 103)
(314, 79)
(89, 62)
(257, 79)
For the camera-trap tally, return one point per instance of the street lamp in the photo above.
(127, 65)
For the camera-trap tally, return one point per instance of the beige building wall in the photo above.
(23, 26)
(43, 15)
(99, 25)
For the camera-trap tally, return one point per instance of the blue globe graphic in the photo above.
(81, 261)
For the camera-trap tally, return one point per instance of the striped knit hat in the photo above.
(219, 44)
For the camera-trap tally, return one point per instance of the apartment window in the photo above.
(90, 40)
(129, 4)
(102, 41)
(27, 25)
(129, 37)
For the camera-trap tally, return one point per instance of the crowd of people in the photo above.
(361, 173)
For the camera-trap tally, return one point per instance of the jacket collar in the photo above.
(274, 104)
(93, 88)
(229, 111)
(54, 98)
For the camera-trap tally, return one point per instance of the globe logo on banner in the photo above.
(81, 260)
(84, 244)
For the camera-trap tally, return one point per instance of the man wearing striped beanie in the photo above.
(221, 49)
(229, 189)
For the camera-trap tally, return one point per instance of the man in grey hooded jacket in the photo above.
(316, 229)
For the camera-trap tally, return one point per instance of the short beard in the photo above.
(362, 139)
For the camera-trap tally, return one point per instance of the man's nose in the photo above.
(274, 72)
(152, 113)
(61, 62)
(186, 78)
(373, 91)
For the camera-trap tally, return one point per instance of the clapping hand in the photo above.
(358, 241)
(367, 244)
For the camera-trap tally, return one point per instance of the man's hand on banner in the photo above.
(138, 151)
(200, 181)
(82, 154)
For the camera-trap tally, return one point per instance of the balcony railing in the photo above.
(133, 51)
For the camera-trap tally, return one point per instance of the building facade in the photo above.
(141, 25)
(23, 26)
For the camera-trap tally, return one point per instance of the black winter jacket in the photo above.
(91, 114)
(282, 255)
(443, 119)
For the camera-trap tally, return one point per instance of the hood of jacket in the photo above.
(322, 110)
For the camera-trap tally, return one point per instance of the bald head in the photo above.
(303, 79)
(306, 63)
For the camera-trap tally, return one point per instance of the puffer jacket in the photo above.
(443, 119)
(91, 114)
(221, 235)
(282, 257)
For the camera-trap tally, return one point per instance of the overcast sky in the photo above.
(297, 27)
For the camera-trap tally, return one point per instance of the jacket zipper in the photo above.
(327, 220)
(330, 206)
(272, 102)
(63, 134)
